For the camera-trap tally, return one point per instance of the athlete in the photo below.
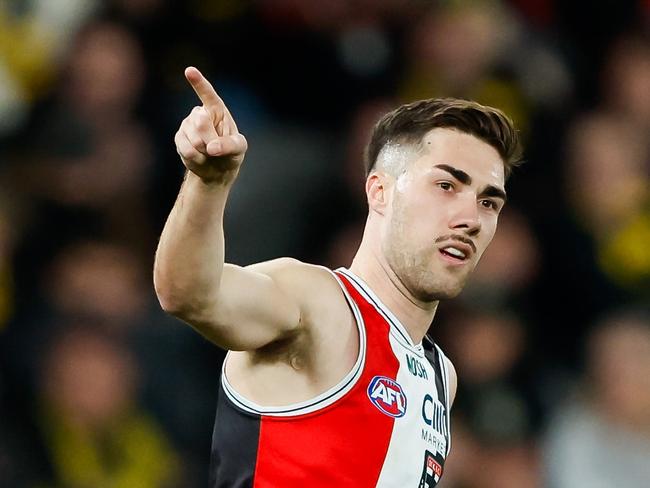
(329, 380)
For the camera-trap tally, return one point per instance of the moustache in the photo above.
(459, 238)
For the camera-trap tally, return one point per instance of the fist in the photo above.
(208, 140)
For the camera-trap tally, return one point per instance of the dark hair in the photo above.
(410, 122)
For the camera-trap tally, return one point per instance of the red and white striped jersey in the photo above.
(386, 424)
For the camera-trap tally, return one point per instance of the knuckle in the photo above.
(195, 139)
(202, 122)
(185, 124)
(190, 154)
(206, 119)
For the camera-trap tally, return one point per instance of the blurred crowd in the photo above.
(551, 339)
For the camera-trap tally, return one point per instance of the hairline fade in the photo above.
(409, 123)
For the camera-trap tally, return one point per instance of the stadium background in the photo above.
(551, 340)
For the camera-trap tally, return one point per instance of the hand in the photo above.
(208, 140)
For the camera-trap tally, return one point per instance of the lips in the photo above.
(450, 258)
(456, 252)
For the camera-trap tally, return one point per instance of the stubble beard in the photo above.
(419, 269)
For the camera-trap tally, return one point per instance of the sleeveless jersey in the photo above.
(385, 424)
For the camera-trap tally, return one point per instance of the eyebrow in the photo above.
(493, 191)
(465, 179)
(459, 174)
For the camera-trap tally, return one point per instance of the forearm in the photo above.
(190, 256)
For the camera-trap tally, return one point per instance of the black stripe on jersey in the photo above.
(235, 439)
(434, 358)
(445, 375)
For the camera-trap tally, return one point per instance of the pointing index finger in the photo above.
(204, 90)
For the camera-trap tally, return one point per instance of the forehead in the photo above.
(462, 151)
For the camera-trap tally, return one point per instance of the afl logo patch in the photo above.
(387, 395)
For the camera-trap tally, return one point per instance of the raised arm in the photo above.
(237, 308)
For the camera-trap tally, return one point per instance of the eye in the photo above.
(489, 204)
(445, 185)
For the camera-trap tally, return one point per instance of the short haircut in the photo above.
(409, 123)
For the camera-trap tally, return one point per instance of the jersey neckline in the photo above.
(390, 317)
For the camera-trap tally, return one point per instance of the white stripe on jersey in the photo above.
(412, 435)
(396, 327)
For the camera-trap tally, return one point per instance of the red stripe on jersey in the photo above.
(344, 444)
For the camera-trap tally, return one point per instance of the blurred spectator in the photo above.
(98, 280)
(94, 432)
(455, 50)
(489, 352)
(104, 283)
(88, 157)
(93, 281)
(608, 180)
(344, 51)
(602, 437)
(626, 78)
(606, 176)
(496, 413)
(346, 216)
(34, 36)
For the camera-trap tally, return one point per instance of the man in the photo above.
(326, 382)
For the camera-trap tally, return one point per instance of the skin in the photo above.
(419, 209)
(288, 344)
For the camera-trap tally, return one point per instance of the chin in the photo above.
(446, 294)
(436, 293)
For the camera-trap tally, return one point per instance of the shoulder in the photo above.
(284, 267)
(315, 287)
(296, 277)
(326, 319)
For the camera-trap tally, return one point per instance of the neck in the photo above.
(416, 316)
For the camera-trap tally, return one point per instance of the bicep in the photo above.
(255, 305)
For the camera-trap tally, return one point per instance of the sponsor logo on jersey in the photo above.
(431, 472)
(434, 415)
(387, 395)
(416, 367)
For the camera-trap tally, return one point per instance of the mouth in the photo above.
(456, 254)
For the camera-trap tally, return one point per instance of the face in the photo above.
(440, 212)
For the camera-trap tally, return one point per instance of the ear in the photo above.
(377, 185)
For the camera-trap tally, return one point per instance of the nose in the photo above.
(466, 216)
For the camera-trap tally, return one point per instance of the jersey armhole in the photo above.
(442, 359)
(322, 400)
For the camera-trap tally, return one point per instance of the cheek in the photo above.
(422, 213)
(489, 228)
(417, 228)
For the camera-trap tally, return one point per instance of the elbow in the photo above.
(168, 305)
(184, 304)
(178, 306)
(170, 300)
